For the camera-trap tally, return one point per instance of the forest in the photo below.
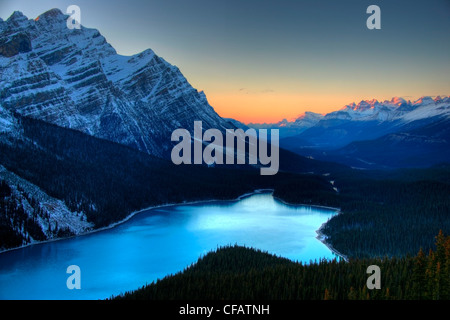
(240, 273)
(383, 213)
(12, 212)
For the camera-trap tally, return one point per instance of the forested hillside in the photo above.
(383, 213)
(13, 218)
(393, 214)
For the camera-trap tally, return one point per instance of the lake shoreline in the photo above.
(134, 213)
(321, 237)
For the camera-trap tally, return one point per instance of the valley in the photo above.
(86, 142)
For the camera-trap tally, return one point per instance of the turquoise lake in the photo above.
(158, 242)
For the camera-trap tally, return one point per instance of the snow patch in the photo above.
(59, 215)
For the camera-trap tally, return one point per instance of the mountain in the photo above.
(237, 124)
(307, 120)
(293, 127)
(28, 214)
(396, 109)
(75, 79)
(361, 134)
(424, 146)
(369, 120)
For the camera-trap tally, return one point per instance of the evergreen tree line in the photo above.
(383, 213)
(235, 273)
(390, 217)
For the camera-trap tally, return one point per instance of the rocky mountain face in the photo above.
(73, 78)
(29, 215)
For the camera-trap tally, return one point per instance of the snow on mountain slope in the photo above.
(368, 120)
(393, 110)
(74, 78)
(308, 119)
(292, 127)
(427, 108)
(51, 215)
(6, 121)
(303, 121)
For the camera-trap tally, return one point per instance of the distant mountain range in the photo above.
(373, 134)
(397, 109)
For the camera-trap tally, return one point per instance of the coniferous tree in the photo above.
(419, 278)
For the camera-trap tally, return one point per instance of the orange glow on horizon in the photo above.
(273, 107)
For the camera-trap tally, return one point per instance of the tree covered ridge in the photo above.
(236, 272)
(391, 215)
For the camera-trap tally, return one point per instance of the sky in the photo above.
(266, 60)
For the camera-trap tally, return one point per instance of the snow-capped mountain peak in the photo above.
(54, 13)
(74, 78)
(390, 110)
(308, 118)
(424, 100)
(398, 101)
(16, 17)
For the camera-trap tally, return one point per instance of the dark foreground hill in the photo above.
(232, 273)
